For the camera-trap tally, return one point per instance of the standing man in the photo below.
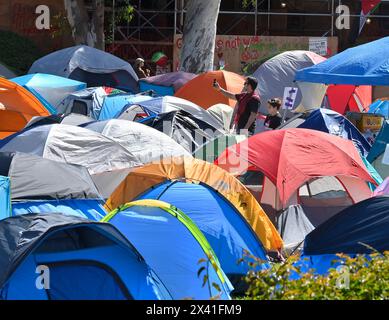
(139, 69)
(246, 110)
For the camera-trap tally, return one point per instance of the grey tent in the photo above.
(92, 66)
(76, 259)
(34, 177)
(279, 72)
(6, 73)
(73, 119)
(71, 144)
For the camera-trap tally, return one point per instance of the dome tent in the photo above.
(92, 66)
(87, 261)
(173, 246)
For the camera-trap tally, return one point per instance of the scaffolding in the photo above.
(154, 30)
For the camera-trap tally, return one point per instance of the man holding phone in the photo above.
(246, 110)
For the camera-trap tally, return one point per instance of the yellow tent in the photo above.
(197, 171)
(17, 107)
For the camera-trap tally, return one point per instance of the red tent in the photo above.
(291, 157)
(343, 98)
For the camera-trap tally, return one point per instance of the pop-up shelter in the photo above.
(200, 90)
(71, 144)
(142, 180)
(173, 246)
(39, 185)
(358, 229)
(377, 152)
(99, 103)
(90, 65)
(77, 260)
(17, 107)
(321, 172)
(49, 89)
(366, 64)
(165, 84)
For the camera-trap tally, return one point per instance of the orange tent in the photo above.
(17, 107)
(201, 92)
(197, 171)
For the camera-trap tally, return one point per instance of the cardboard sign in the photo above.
(289, 99)
(318, 45)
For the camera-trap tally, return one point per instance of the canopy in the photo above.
(17, 107)
(279, 72)
(92, 66)
(192, 170)
(225, 228)
(291, 157)
(71, 144)
(172, 245)
(381, 107)
(166, 83)
(366, 64)
(49, 89)
(366, 222)
(200, 90)
(86, 260)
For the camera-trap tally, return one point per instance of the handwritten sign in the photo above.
(318, 45)
(289, 98)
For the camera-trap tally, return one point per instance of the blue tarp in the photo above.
(160, 90)
(49, 89)
(367, 64)
(5, 198)
(380, 107)
(226, 230)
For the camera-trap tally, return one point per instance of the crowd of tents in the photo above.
(128, 188)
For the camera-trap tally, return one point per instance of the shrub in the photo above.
(368, 280)
(17, 52)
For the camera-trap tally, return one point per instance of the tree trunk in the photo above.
(199, 36)
(85, 30)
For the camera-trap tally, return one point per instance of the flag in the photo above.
(368, 6)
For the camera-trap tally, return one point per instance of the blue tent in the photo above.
(366, 222)
(99, 103)
(380, 107)
(226, 230)
(377, 151)
(334, 123)
(173, 246)
(77, 260)
(367, 64)
(49, 89)
(5, 197)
